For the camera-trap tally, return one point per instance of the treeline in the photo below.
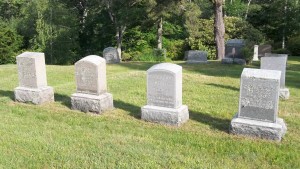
(67, 30)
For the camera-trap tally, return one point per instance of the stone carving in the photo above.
(277, 62)
(164, 95)
(110, 54)
(32, 79)
(258, 105)
(91, 95)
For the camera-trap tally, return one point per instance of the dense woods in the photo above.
(67, 30)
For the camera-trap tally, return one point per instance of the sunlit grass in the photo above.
(54, 136)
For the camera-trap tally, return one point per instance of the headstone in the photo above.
(196, 56)
(91, 94)
(233, 52)
(32, 79)
(277, 62)
(258, 105)
(110, 54)
(263, 49)
(255, 56)
(164, 95)
(233, 48)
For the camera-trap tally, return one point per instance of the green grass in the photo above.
(53, 136)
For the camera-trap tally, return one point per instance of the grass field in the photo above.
(54, 136)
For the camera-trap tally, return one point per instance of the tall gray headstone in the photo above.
(110, 54)
(91, 94)
(277, 62)
(263, 49)
(164, 95)
(32, 79)
(233, 52)
(196, 56)
(258, 105)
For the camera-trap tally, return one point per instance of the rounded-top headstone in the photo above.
(110, 54)
(32, 70)
(90, 74)
(164, 85)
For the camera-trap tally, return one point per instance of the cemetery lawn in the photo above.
(54, 136)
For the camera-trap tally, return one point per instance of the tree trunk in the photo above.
(247, 11)
(284, 25)
(119, 36)
(219, 29)
(159, 34)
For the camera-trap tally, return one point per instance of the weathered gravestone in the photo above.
(110, 54)
(32, 79)
(258, 105)
(164, 95)
(91, 95)
(263, 49)
(277, 62)
(233, 52)
(196, 56)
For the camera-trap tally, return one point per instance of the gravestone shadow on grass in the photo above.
(224, 86)
(63, 99)
(213, 122)
(134, 111)
(7, 93)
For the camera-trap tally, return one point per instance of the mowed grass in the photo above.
(54, 136)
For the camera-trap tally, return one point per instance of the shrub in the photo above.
(10, 43)
(281, 51)
(175, 48)
(293, 45)
(247, 51)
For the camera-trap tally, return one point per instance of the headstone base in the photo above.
(35, 96)
(284, 93)
(196, 62)
(227, 61)
(92, 103)
(165, 115)
(260, 129)
(233, 60)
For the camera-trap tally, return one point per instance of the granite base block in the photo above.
(227, 61)
(92, 103)
(196, 62)
(259, 129)
(284, 93)
(164, 115)
(35, 96)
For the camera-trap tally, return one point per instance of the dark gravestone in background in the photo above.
(263, 49)
(233, 48)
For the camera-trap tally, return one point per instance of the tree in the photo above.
(124, 14)
(219, 28)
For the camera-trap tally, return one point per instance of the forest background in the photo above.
(67, 30)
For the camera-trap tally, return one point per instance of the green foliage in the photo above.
(10, 43)
(175, 48)
(236, 8)
(294, 45)
(281, 51)
(236, 28)
(248, 51)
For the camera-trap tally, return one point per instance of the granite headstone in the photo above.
(110, 54)
(277, 62)
(32, 79)
(258, 105)
(164, 95)
(91, 94)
